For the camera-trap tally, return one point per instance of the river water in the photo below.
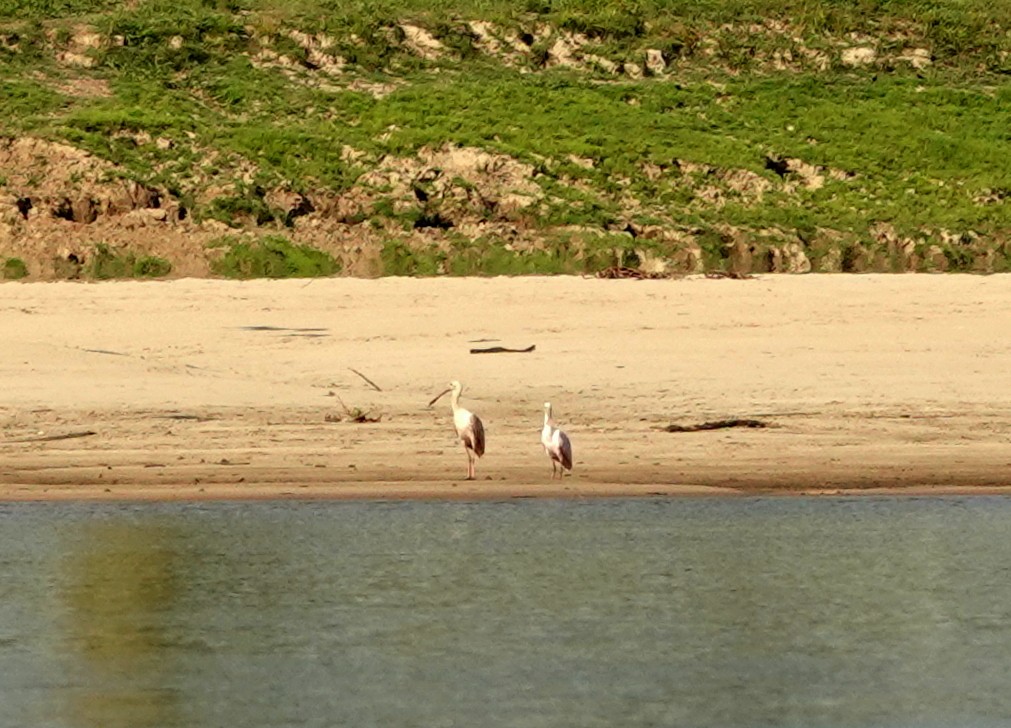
(529, 613)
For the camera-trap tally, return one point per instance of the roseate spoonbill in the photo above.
(556, 445)
(469, 428)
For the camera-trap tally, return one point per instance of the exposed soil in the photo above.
(58, 204)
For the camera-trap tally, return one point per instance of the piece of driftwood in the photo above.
(503, 350)
(51, 438)
(353, 414)
(306, 332)
(714, 425)
(300, 329)
(373, 384)
(109, 352)
(618, 271)
(733, 275)
(358, 416)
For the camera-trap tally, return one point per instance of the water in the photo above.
(685, 612)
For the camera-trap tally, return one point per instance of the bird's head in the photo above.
(455, 387)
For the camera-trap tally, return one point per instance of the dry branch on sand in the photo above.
(370, 382)
(52, 438)
(503, 350)
(617, 271)
(352, 414)
(714, 425)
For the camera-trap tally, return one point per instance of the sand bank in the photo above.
(221, 389)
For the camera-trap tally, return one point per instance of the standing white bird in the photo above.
(556, 445)
(469, 428)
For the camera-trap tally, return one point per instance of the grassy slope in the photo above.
(926, 151)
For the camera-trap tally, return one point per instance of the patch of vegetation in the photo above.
(220, 101)
(486, 258)
(457, 37)
(23, 103)
(107, 263)
(400, 260)
(161, 37)
(44, 9)
(570, 253)
(715, 249)
(246, 207)
(14, 269)
(151, 266)
(272, 257)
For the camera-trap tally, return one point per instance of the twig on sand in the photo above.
(374, 385)
(618, 271)
(105, 351)
(50, 438)
(502, 349)
(356, 414)
(714, 425)
(181, 416)
(732, 275)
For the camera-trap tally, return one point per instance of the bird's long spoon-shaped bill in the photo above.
(440, 396)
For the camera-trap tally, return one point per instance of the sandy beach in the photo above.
(211, 389)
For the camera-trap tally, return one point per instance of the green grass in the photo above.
(107, 263)
(398, 259)
(918, 148)
(919, 138)
(13, 269)
(568, 253)
(45, 9)
(272, 257)
(24, 104)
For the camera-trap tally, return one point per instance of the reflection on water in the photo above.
(694, 612)
(117, 582)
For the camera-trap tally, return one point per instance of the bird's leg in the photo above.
(470, 465)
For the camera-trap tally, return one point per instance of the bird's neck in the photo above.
(454, 400)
